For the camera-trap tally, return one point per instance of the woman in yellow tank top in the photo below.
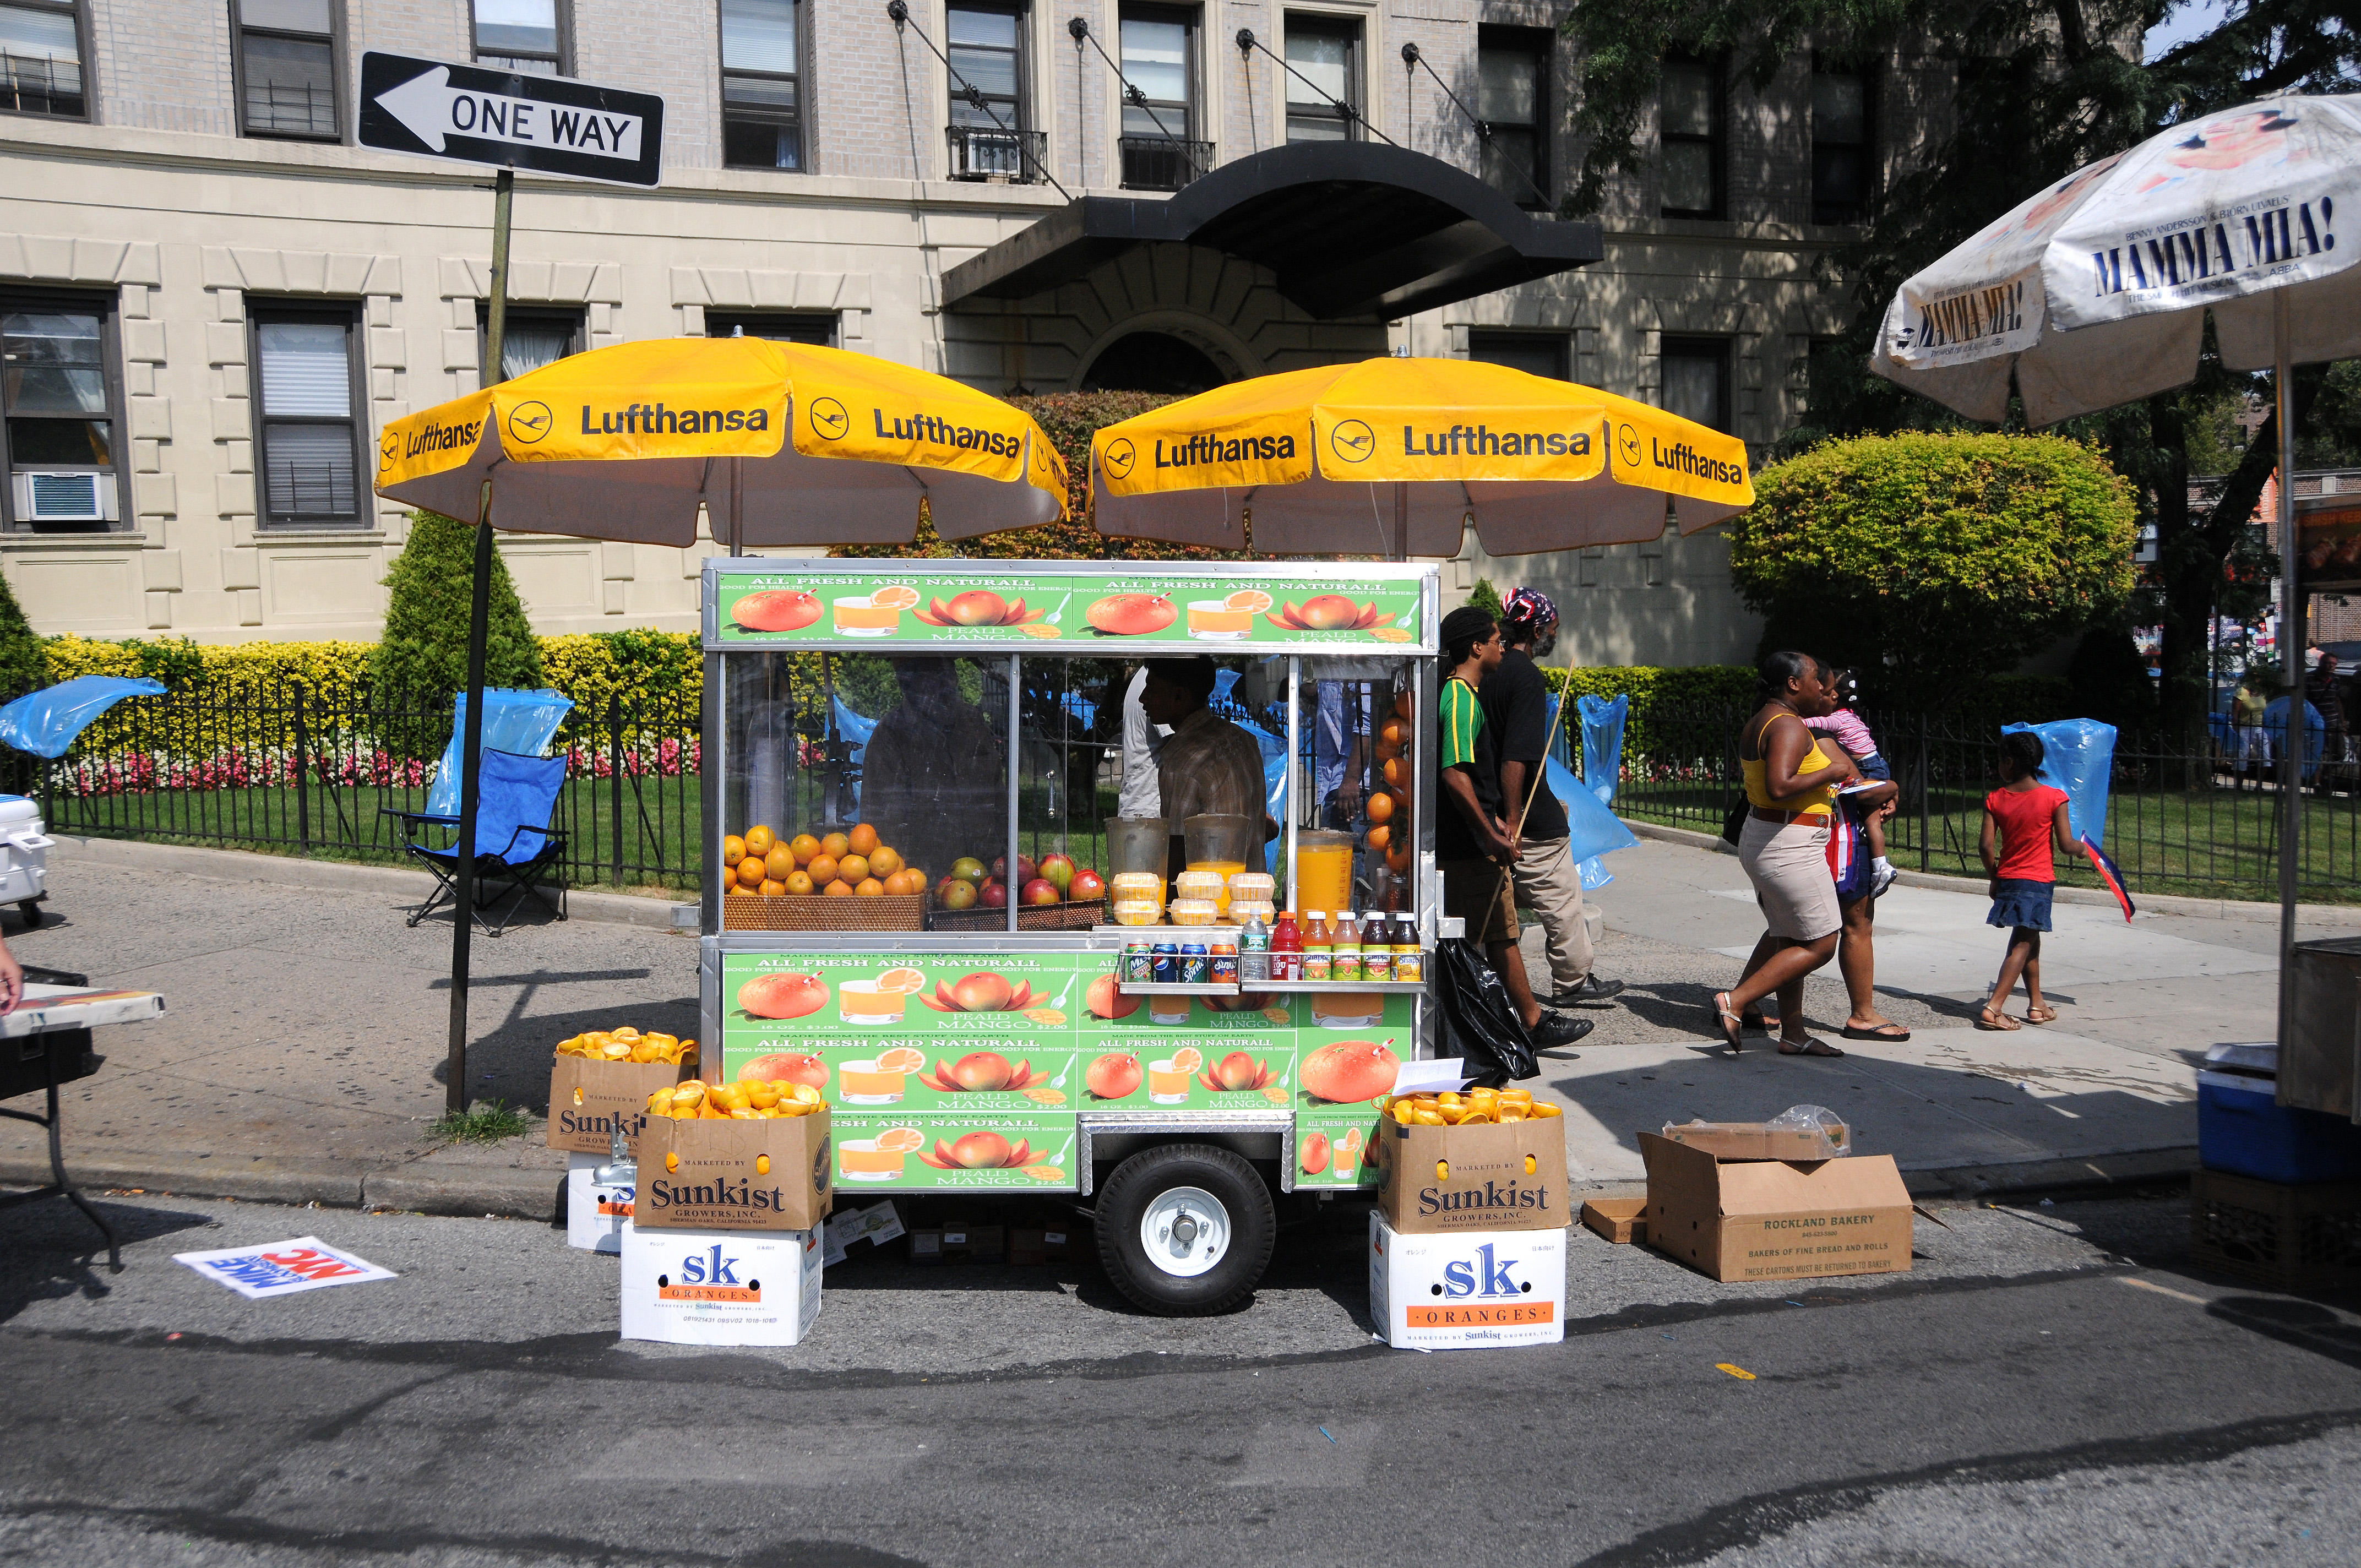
(1818, 801)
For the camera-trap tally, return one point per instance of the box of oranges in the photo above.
(600, 1084)
(844, 881)
(1478, 1160)
(737, 1157)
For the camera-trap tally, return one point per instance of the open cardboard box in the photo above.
(589, 1099)
(1491, 1176)
(1770, 1219)
(710, 1175)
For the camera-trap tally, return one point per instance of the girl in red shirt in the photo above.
(2026, 815)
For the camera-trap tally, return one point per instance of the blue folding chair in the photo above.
(517, 849)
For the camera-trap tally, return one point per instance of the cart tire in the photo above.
(1220, 1197)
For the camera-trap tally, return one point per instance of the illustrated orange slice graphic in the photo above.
(1045, 1173)
(1188, 1059)
(1254, 601)
(1048, 1017)
(904, 980)
(1391, 634)
(897, 596)
(899, 1140)
(902, 1059)
(1044, 633)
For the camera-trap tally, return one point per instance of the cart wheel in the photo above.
(1184, 1229)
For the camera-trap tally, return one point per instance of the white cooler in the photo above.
(24, 850)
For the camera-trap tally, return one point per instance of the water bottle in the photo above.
(1254, 952)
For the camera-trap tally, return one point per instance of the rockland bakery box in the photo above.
(708, 1175)
(589, 1099)
(1775, 1219)
(1507, 1176)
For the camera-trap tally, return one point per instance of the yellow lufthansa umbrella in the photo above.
(782, 442)
(1394, 457)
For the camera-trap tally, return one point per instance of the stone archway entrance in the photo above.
(1152, 362)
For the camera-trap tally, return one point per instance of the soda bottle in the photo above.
(1254, 952)
(1346, 960)
(1319, 948)
(1286, 949)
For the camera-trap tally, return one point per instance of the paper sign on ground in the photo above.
(281, 1268)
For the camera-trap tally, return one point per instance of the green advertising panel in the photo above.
(1148, 1069)
(1003, 1152)
(936, 1004)
(837, 608)
(1332, 1147)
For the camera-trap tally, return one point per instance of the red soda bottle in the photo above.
(1286, 949)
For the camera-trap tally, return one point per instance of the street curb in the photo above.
(2149, 903)
(333, 1185)
(331, 876)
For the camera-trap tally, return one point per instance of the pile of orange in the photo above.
(844, 865)
(749, 1099)
(1388, 806)
(627, 1045)
(1454, 1108)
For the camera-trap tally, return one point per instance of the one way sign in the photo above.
(552, 125)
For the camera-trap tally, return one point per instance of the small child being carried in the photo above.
(1845, 726)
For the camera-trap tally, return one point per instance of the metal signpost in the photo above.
(550, 125)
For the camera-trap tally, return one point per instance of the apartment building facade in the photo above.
(211, 299)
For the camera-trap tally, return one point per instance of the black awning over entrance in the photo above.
(1349, 228)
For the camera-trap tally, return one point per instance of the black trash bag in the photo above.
(1478, 1021)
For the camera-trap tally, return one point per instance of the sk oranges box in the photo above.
(719, 1287)
(1481, 1176)
(1466, 1289)
(771, 1175)
(1772, 1218)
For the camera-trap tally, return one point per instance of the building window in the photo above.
(1689, 126)
(1511, 87)
(1696, 373)
(307, 439)
(762, 89)
(1160, 59)
(1840, 147)
(778, 327)
(530, 337)
(60, 408)
(1537, 353)
(530, 36)
(991, 133)
(1324, 56)
(286, 54)
(40, 59)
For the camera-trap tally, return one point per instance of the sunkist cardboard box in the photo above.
(1507, 1176)
(1466, 1289)
(719, 1287)
(1772, 1218)
(589, 1099)
(776, 1174)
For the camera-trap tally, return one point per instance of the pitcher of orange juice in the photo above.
(1323, 870)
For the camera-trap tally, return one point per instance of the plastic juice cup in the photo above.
(863, 1160)
(860, 1002)
(864, 1083)
(1213, 620)
(1323, 873)
(1166, 1085)
(1168, 1011)
(859, 618)
(1347, 1009)
(1348, 1161)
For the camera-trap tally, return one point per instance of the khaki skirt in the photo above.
(1788, 865)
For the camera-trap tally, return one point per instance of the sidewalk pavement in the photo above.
(301, 1057)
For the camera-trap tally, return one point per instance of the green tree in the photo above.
(1934, 558)
(2043, 87)
(21, 668)
(425, 649)
(1485, 597)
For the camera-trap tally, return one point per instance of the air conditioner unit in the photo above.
(38, 497)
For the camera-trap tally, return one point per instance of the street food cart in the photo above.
(962, 719)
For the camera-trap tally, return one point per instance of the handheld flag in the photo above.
(2109, 873)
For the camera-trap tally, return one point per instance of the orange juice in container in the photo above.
(1323, 870)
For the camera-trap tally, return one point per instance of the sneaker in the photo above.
(1592, 993)
(1880, 877)
(1556, 1029)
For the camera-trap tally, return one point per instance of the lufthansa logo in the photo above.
(389, 452)
(1118, 457)
(1353, 442)
(528, 423)
(829, 419)
(1627, 442)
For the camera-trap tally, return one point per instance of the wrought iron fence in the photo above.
(2180, 822)
(312, 770)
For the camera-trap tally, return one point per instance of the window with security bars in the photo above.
(991, 130)
(286, 54)
(530, 337)
(307, 438)
(530, 36)
(1323, 58)
(40, 59)
(1512, 87)
(761, 84)
(1159, 55)
(1840, 147)
(59, 412)
(1689, 132)
(815, 327)
(1695, 379)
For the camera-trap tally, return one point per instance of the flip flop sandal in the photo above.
(2041, 1014)
(1752, 1021)
(1996, 1023)
(1731, 1036)
(1894, 1032)
(1807, 1046)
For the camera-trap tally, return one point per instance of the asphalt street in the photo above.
(2049, 1385)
